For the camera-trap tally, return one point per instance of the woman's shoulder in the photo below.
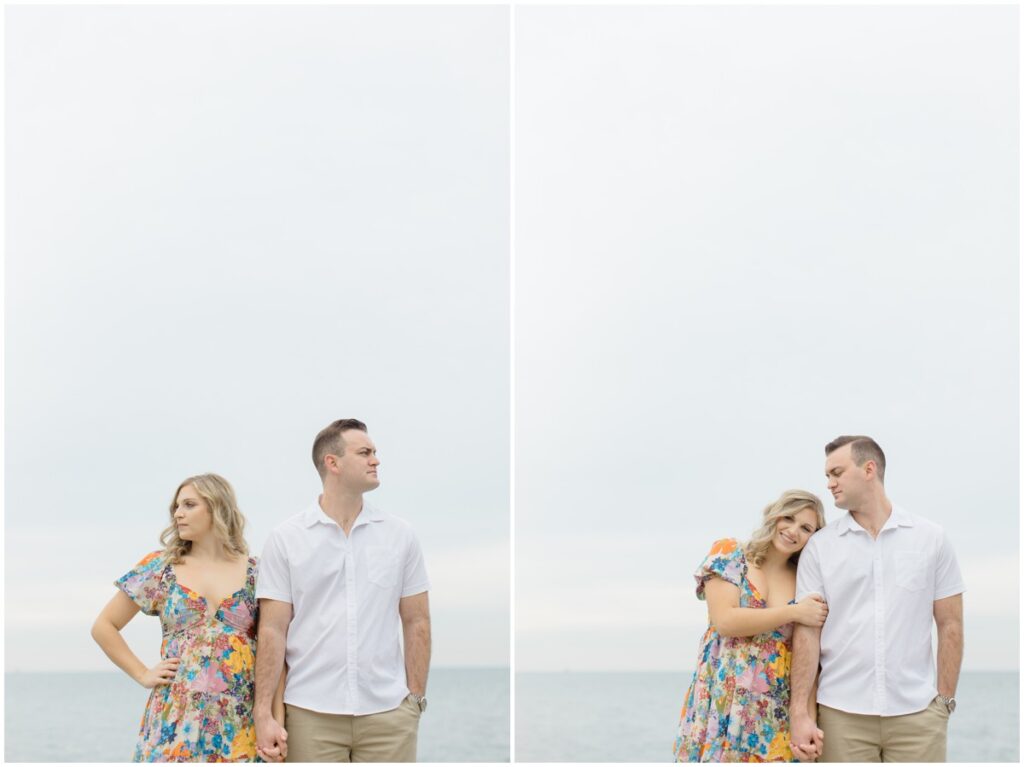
(153, 561)
(724, 560)
(146, 584)
(725, 552)
(726, 547)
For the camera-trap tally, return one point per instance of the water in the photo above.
(632, 717)
(96, 716)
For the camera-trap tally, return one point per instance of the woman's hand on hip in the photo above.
(162, 673)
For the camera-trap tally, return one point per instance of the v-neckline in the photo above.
(755, 591)
(207, 613)
(753, 586)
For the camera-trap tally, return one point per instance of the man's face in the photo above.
(358, 467)
(847, 481)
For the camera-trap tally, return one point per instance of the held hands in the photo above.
(811, 611)
(806, 740)
(162, 673)
(271, 739)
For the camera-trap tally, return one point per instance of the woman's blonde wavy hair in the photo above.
(789, 503)
(228, 522)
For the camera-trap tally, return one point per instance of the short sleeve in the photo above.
(273, 580)
(414, 571)
(808, 573)
(948, 581)
(726, 561)
(144, 583)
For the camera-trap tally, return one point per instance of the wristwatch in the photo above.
(950, 703)
(419, 700)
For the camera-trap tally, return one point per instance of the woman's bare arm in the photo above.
(107, 633)
(731, 620)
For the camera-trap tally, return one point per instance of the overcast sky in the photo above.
(741, 232)
(227, 227)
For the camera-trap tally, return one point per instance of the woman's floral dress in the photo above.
(205, 714)
(737, 707)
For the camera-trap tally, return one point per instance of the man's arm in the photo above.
(271, 737)
(806, 739)
(949, 618)
(415, 614)
(277, 707)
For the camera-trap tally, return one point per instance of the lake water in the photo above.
(632, 717)
(94, 717)
(582, 717)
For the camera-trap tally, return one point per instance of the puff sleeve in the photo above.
(725, 560)
(144, 583)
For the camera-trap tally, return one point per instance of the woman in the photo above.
(202, 585)
(736, 709)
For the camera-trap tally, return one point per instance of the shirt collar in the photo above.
(846, 524)
(314, 514)
(898, 518)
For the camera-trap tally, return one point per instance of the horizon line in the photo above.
(690, 671)
(479, 667)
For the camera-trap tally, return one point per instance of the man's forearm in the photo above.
(269, 665)
(950, 654)
(803, 670)
(417, 654)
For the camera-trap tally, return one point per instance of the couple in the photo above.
(333, 585)
(859, 597)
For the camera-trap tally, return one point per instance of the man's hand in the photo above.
(271, 739)
(806, 740)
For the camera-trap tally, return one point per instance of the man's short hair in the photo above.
(330, 441)
(862, 449)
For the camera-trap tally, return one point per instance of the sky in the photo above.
(226, 228)
(742, 232)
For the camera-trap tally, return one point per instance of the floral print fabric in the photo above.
(737, 707)
(205, 714)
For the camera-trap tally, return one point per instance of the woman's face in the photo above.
(793, 531)
(192, 514)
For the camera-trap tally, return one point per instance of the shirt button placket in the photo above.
(879, 586)
(351, 639)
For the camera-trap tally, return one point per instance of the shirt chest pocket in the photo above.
(381, 566)
(911, 570)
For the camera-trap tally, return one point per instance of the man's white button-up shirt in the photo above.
(876, 645)
(343, 650)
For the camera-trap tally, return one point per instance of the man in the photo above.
(335, 581)
(886, 574)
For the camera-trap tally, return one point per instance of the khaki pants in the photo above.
(389, 736)
(917, 737)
